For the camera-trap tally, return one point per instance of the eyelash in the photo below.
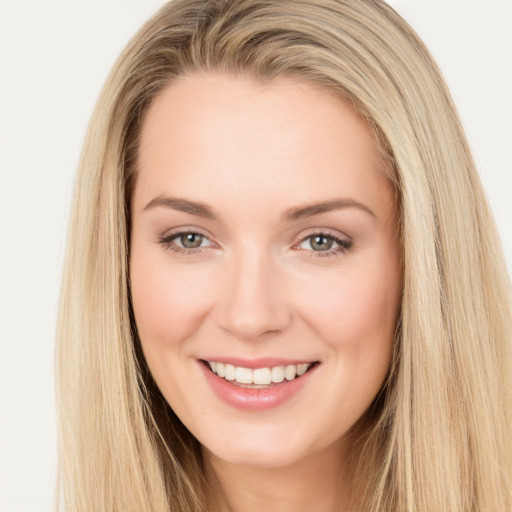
(343, 245)
(166, 242)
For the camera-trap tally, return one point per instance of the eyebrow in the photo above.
(183, 205)
(324, 207)
(202, 210)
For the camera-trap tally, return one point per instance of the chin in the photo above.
(258, 456)
(266, 449)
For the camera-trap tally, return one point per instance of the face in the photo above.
(264, 265)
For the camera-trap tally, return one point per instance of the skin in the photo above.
(258, 286)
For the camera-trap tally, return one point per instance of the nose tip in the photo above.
(253, 303)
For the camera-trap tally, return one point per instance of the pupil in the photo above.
(321, 243)
(191, 240)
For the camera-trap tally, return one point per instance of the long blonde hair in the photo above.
(441, 433)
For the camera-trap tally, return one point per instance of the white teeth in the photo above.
(290, 372)
(258, 376)
(277, 373)
(230, 372)
(243, 375)
(261, 376)
(301, 368)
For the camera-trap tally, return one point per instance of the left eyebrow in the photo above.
(301, 212)
(183, 205)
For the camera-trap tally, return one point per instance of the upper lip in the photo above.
(260, 362)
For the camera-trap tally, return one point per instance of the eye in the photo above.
(185, 242)
(324, 244)
(190, 240)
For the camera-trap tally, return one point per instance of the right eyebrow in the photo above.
(183, 205)
(323, 207)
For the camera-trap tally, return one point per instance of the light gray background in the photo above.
(54, 57)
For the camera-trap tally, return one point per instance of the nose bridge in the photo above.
(253, 303)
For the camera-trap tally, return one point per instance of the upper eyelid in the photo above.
(303, 236)
(342, 241)
(325, 232)
(180, 231)
(171, 236)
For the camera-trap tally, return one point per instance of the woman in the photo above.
(284, 287)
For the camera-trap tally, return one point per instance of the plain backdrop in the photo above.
(54, 57)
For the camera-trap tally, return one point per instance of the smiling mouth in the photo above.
(258, 378)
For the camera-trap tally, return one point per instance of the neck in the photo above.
(318, 482)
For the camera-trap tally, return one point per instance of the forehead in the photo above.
(212, 135)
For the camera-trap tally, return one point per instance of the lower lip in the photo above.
(255, 399)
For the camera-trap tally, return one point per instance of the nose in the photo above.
(253, 301)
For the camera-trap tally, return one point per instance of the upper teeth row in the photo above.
(259, 375)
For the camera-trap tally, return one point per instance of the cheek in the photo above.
(355, 315)
(354, 305)
(168, 303)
